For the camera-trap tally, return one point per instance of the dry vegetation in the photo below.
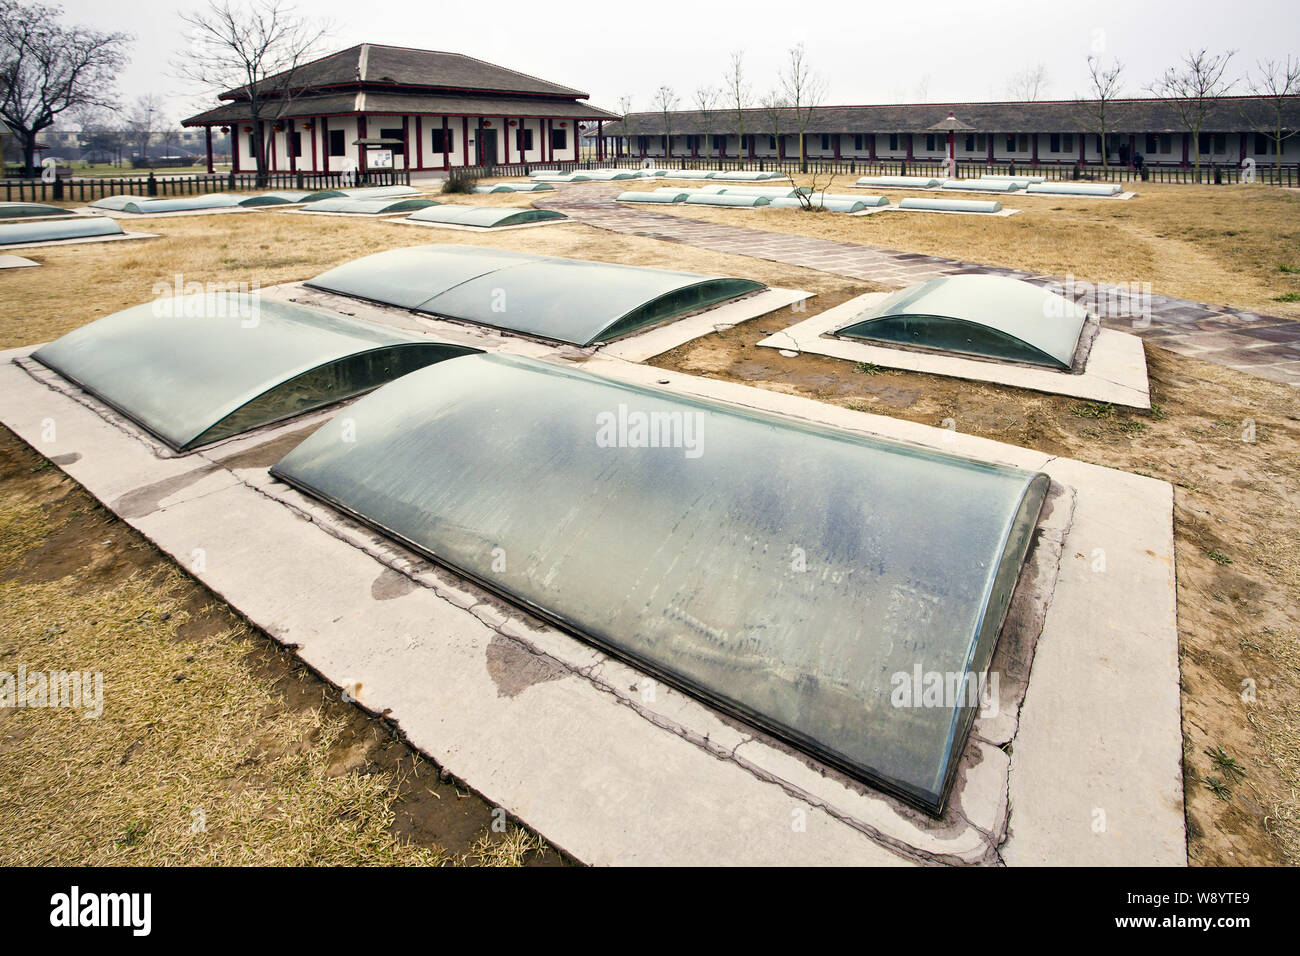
(270, 786)
(214, 746)
(1226, 245)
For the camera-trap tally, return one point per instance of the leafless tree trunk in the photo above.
(1277, 81)
(630, 124)
(1192, 89)
(706, 99)
(1105, 90)
(803, 90)
(47, 68)
(254, 50)
(665, 101)
(737, 95)
(774, 110)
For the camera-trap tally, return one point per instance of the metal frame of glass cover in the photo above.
(989, 316)
(195, 369)
(378, 206)
(574, 301)
(183, 203)
(794, 575)
(117, 202)
(23, 210)
(54, 230)
(484, 217)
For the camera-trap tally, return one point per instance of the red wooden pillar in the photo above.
(274, 157)
(505, 134)
(207, 136)
(600, 140)
(871, 146)
(446, 145)
(1186, 139)
(1033, 137)
(751, 146)
(464, 138)
(419, 142)
(406, 142)
(288, 146)
(235, 133)
(990, 144)
(314, 161)
(909, 145)
(361, 134)
(325, 144)
(837, 138)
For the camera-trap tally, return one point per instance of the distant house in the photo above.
(372, 105)
(1057, 132)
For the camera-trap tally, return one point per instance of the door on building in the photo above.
(487, 147)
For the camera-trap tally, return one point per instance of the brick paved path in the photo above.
(1265, 345)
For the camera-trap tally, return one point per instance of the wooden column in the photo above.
(1033, 138)
(406, 142)
(1186, 139)
(207, 136)
(871, 146)
(1132, 148)
(1083, 149)
(446, 144)
(464, 138)
(361, 134)
(909, 146)
(836, 140)
(315, 167)
(600, 140)
(288, 146)
(325, 144)
(419, 142)
(990, 144)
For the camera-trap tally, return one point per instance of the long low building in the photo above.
(372, 106)
(1062, 132)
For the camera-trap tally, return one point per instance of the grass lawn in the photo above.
(77, 581)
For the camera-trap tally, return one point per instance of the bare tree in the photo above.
(1029, 85)
(665, 101)
(775, 109)
(47, 68)
(254, 50)
(1105, 81)
(736, 91)
(803, 89)
(1276, 84)
(630, 122)
(140, 120)
(1192, 89)
(706, 100)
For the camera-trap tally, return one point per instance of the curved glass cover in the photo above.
(726, 199)
(982, 185)
(53, 230)
(197, 368)
(181, 203)
(280, 198)
(830, 205)
(990, 316)
(796, 576)
(368, 207)
(659, 195)
(20, 210)
(535, 187)
(563, 300)
(951, 205)
(118, 201)
(1076, 189)
(485, 217)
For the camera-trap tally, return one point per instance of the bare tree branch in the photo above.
(1192, 89)
(803, 89)
(1276, 83)
(1105, 90)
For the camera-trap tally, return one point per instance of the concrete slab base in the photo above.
(611, 766)
(15, 262)
(1116, 370)
(124, 215)
(953, 212)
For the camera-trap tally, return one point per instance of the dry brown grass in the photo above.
(1218, 244)
(206, 752)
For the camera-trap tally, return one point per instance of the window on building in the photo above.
(295, 144)
(394, 132)
(970, 143)
(338, 143)
(858, 145)
(1054, 143)
(1166, 142)
(930, 140)
(559, 139)
(771, 143)
(1011, 143)
(1262, 144)
(719, 143)
(441, 140)
(981, 142)
(643, 144)
(1024, 142)
(1067, 143)
(893, 141)
(524, 139)
(826, 143)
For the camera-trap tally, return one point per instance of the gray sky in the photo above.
(868, 52)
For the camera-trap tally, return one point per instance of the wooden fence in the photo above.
(88, 190)
(1210, 174)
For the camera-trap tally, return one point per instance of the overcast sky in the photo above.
(868, 52)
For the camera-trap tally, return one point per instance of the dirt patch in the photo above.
(202, 714)
(1230, 443)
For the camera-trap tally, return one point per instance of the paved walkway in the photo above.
(1264, 345)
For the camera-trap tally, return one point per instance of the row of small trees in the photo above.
(1193, 89)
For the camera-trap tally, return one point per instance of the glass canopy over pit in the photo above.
(485, 217)
(56, 230)
(368, 206)
(198, 368)
(23, 210)
(793, 575)
(989, 316)
(563, 300)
